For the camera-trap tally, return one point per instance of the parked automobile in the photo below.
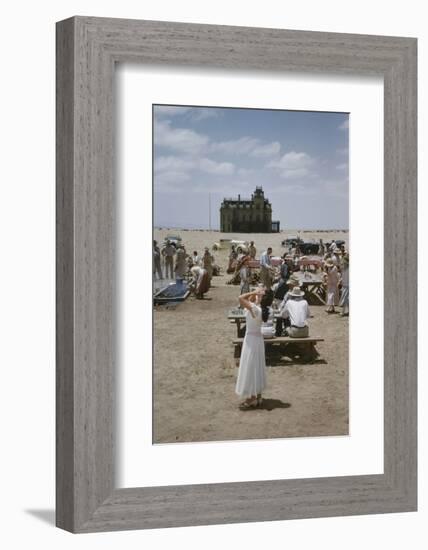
(291, 240)
(337, 241)
(308, 248)
(174, 239)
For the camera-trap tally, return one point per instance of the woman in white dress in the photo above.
(252, 365)
(331, 279)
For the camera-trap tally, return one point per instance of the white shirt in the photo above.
(265, 259)
(297, 310)
(335, 259)
(244, 274)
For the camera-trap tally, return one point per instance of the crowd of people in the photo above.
(178, 264)
(276, 307)
(282, 285)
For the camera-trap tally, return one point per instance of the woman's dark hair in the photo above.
(265, 303)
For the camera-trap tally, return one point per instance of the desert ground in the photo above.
(195, 372)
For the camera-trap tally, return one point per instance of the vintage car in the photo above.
(291, 241)
(337, 241)
(174, 239)
(308, 248)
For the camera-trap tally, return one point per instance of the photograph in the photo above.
(251, 260)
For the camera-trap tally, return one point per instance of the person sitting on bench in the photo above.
(281, 321)
(296, 309)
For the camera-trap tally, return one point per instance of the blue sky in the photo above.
(300, 158)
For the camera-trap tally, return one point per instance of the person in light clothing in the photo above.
(207, 263)
(195, 258)
(251, 379)
(296, 309)
(283, 321)
(344, 297)
(265, 268)
(331, 280)
(168, 252)
(252, 250)
(180, 262)
(157, 269)
(199, 284)
(245, 274)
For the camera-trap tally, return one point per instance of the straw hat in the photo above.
(329, 263)
(296, 292)
(293, 281)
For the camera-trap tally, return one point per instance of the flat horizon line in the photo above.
(330, 230)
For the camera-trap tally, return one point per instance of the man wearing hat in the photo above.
(157, 269)
(296, 309)
(252, 251)
(281, 321)
(168, 253)
(180, 262)
(207, 263)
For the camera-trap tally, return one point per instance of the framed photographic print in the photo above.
(213, 365)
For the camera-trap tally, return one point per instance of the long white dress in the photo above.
(332, 277)
(252, 365)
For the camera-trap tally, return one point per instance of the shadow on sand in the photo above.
(283, 361)
(269, 405)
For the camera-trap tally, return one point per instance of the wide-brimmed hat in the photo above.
(296, 292)
(293, 281)
(329, 263)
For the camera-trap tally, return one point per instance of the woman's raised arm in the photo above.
(244, 299)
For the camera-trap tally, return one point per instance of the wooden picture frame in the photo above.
(87, 50)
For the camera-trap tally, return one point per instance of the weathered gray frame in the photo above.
(87, 50)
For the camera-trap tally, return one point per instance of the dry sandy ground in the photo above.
(195, 372)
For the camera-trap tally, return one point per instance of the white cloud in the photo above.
(241, 146)
(218, 168)
(344, 125)
(167, 167)
(174, 163)
(173, 176)
(247, 146)
(202, 113)
(170, 110)
(342, 166)
(293, 165)
(245, 172)
(179, 139)
(342, 151)
(268, 150)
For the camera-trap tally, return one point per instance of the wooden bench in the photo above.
(306, 344)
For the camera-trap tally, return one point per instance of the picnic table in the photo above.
(312, 284)
(237, 316)
(305, 347)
